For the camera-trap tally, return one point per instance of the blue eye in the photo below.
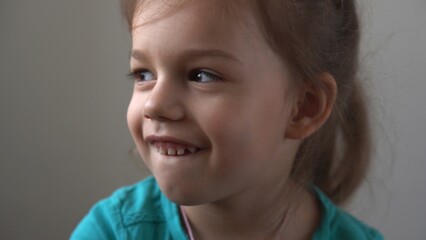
(141, 76)
(203, 76)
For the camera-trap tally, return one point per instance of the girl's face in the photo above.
(210, 109)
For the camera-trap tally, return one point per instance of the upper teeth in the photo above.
(176, 151)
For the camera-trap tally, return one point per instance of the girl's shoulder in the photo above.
(338, 224)
(132, 212)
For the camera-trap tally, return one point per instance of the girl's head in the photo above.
(238, 95)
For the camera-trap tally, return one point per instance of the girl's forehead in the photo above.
(150, 11)
(200, 22)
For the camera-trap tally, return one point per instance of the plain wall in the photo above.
(64, 142)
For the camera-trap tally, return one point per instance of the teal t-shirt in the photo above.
(141, 211)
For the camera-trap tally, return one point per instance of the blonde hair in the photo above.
(313, 37)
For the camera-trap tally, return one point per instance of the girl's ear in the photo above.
(313, 107)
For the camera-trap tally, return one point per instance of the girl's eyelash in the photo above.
(136, 75)
(131, 75)
(204, 76)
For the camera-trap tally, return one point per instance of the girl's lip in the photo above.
(153, 139)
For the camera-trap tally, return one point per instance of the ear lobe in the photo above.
(313, 107)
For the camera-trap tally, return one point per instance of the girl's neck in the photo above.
(267, 214)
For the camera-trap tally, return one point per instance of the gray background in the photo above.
(64, 142)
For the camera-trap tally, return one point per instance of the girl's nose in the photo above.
(164, 103)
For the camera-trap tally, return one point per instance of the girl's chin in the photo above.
(183, 194)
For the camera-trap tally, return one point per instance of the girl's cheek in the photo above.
(134, 114)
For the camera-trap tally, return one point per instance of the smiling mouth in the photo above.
(174, 149)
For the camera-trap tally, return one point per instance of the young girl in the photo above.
(250, 117)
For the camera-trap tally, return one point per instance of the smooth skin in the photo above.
(206, 78)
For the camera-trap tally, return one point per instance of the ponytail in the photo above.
(343, 159)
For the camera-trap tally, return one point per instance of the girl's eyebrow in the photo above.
(138, 55)
(191, 53)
